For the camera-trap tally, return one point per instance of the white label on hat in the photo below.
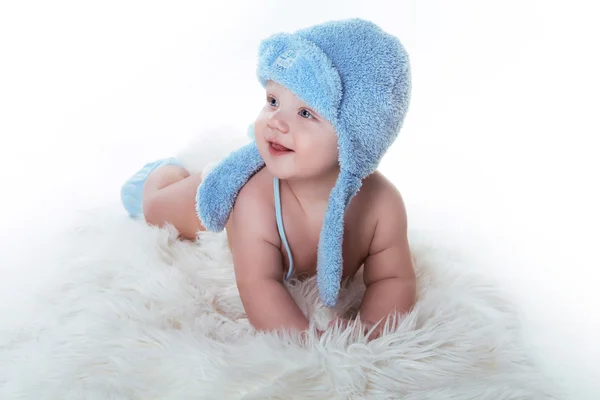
(286, 59)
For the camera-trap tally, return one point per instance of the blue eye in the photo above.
(306, 114)
(272, 101)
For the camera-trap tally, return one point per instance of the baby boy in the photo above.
(305, 198)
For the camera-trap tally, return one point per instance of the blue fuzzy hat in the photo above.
(357, 77)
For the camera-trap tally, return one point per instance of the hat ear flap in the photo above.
(330, 261)
(218, 191)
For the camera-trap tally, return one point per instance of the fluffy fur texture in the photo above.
(135, 313)
(218, 192)
(357, 77)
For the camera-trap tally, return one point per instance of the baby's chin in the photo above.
(279, 171)
(288, 167)
(281, 167)
(290, 173)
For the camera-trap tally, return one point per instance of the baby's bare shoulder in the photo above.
(252, 233)
(254, 209)
(385, 204)
(379, 193)
(389, 253)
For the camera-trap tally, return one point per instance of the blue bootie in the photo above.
(132, 189)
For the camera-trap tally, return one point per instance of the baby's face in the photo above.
(293, 139)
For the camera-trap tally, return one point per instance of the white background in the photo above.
(498, 153)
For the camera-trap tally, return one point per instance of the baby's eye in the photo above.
(272, 101)
(306, 114)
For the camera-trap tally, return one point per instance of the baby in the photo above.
(335, 98)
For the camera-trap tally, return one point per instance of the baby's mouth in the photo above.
(278, 147)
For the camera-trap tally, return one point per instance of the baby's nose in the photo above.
(278, 122)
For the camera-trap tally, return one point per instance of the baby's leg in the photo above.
(169, 196)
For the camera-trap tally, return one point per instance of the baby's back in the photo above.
(302, 223)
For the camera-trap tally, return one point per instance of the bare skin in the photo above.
(375, 222)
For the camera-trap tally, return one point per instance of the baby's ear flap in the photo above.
(218, 191)
(330, 264)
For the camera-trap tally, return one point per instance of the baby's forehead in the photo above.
(272, 85)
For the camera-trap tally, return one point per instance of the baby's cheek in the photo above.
(259, 128)
(327, 153)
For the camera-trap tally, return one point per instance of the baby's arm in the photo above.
(258, 266)
(388, 270)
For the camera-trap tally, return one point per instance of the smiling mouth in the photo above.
(278, 148)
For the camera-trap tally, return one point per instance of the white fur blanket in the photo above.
(134, 313)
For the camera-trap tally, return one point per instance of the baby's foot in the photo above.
(132, 189)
